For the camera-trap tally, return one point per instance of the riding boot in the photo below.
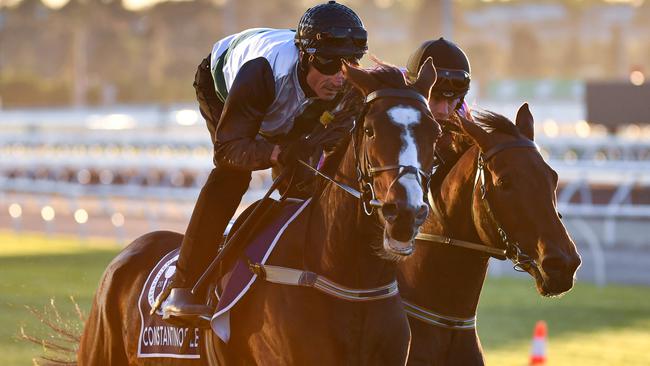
(215, 206)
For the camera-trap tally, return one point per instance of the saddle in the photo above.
(161, 339)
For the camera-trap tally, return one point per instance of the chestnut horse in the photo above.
(499, 192)
(328, 293)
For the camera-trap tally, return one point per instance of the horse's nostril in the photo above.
(422, 214)
(389, 210)
(557, 263)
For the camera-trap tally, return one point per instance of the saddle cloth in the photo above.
(158, 338)
(240, 278)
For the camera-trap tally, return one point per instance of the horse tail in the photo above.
(101, 342)
(62, 341)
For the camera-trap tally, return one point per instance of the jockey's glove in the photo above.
(295, 150)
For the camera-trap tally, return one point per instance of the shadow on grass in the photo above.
(509, 309)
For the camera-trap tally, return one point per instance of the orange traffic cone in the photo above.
(538, 350)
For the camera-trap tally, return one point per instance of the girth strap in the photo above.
(295, 277)
(439, 320)
(494, 252)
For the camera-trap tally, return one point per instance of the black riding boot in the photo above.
(214, 208)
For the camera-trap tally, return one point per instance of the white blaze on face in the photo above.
(406, 117)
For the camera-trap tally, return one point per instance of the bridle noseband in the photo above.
(522, 261)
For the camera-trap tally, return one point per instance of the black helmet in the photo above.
(454, 72)
(332, 30)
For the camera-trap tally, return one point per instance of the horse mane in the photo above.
(460, 142)
(496, 122)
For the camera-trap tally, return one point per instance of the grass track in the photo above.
(589, 326)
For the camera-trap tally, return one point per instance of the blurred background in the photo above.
(101, 139)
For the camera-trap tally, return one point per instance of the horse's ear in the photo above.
(359, 77)
(479, 135)
(426, 78)
(525, 122)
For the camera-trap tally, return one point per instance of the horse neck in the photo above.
(342, 235)
(453, 277)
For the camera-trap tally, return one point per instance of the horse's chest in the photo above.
(302, 326)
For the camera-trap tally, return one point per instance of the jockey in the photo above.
(251, 90)
(447, 99)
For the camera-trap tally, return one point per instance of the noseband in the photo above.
(521, 260)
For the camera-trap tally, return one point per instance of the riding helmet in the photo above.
(331, 30)
(452, 65)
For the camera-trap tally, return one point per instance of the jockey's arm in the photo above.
(249, 97)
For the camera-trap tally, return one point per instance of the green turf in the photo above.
(588, 326)
(34, 270)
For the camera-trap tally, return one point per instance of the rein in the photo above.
(365, 177)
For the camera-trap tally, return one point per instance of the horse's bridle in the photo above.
(511, 249)
(365, 170)
(521, 260)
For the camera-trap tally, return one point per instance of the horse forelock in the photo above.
(389, 76)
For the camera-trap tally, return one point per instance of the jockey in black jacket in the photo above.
(251, 89)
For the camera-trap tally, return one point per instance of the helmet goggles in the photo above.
(451, 83)
(339, 36)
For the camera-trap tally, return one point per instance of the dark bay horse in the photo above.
(499, 192)
(344, 307)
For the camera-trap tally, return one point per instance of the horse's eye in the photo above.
(503, 183)
(368, 131)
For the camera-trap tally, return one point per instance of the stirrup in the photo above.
(192, 321)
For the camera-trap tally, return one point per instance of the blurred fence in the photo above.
(124, 181)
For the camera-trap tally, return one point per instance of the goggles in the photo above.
(336, 36)
(331, 65)
(451, 83)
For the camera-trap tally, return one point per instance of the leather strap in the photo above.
(497, 253)
(508, 145)
(439, 320)
(296, 277)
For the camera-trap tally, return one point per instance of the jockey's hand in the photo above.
(294, 151)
